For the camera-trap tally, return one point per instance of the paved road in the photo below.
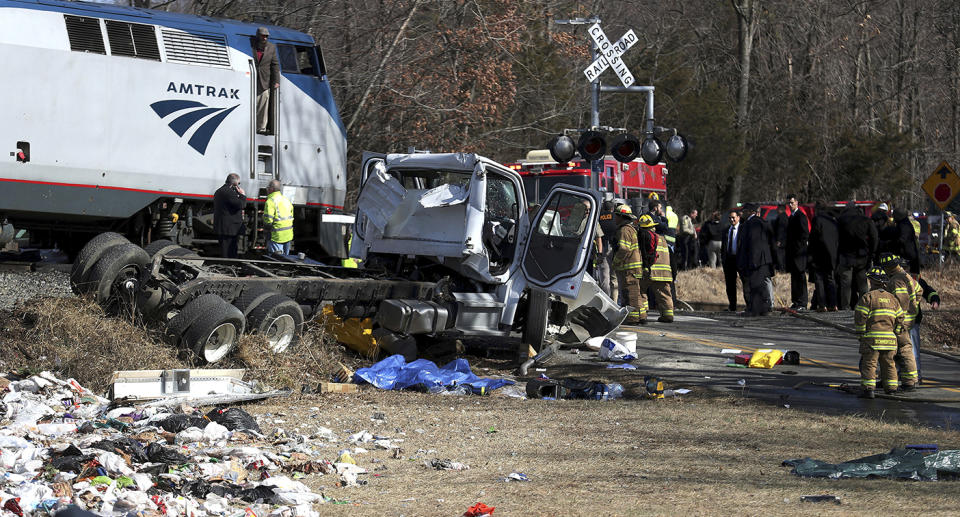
(688, 353)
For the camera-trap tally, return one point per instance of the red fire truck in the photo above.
(626, 180)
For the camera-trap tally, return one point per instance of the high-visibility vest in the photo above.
(951, 242)
(916, 227)
(349, 262)
(278, 216)
(660, 270)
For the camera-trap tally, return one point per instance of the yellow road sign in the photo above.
(943, 185)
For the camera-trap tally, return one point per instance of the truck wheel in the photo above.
(535, 329)
(251, 298)
(115, 278)
(215, 331)
(279, 318)
(181, 322)
(149, 302)
(88, 256)
(157, 245)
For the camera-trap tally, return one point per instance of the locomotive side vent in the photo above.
(133, 39)
(195, 49)
(84, 33)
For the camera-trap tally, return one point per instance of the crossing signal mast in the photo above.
(625, 147)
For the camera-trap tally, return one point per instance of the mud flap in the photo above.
(592, 314)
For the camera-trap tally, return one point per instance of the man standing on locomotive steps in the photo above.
(278, 217)
(268, 77)
(228, 203)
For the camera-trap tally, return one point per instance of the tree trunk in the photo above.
(746, 29)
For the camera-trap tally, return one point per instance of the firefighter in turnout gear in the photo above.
(878, 319)
(278, 217)
(909, 292)
(629, 265)
(657, 274)
(951, 237)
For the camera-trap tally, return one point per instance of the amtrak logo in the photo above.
(187, 114)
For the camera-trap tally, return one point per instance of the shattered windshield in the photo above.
(424, 179)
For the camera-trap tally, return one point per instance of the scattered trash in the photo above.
(622, 366)
(394, 373)
(731, 351)
(445, 465)
(896, 464)
(337, 387)
(479, 510)
(654, 387)
(819, 499)
(554, 389)
(60, 445)
(492, 430)
(516, 476)
(674, 393)
(611, 350)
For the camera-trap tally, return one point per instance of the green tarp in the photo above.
(897, 464)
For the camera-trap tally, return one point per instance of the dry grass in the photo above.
(74, 338)
(698, 455)
(706, 285)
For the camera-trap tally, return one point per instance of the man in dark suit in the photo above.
(228, 203)
(780, 233)
(824, 243)
(907, 245)
(728, 258)
(795, 253)
(755, 259)
(268, 76)
(857, 246)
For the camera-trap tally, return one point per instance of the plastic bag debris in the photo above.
(516, 476)
(621, 366)
(234, 419)
(896, 464)
(611, 350)
(546, 388)
(60, 444)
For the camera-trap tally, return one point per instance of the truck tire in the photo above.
(279, 318)
(177, 251)
(251, 298)
(118, 265)
(215, 332)
(179, 324)
(157, 245)
(149, 303)
(88, 256)
(535, 329)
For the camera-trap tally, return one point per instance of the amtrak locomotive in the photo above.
(126, 119)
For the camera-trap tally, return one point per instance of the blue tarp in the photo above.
(393, 373)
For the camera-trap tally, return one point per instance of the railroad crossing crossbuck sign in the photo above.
(610, 53)
(943, 185)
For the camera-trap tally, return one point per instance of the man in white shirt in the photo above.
(728, 254)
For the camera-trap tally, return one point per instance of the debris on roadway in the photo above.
(899, 463)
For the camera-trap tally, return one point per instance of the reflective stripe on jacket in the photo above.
(278, 216)
(627, 255)
(660, 270)
(877, 318)
(908, 293)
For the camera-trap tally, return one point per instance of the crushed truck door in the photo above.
(560, 240)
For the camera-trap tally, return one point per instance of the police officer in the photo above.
(608, 278)
(878, 319)
(629, 266)
(278, 217)
(656, 272)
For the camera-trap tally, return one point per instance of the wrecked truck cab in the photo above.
(460, 219)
